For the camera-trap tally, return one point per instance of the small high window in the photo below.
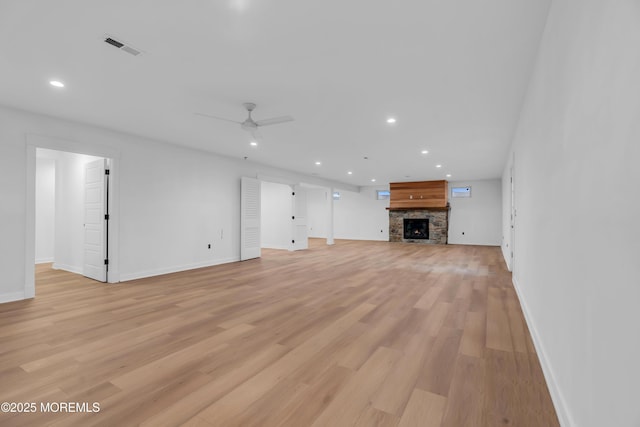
(383, 194)
(460, 192)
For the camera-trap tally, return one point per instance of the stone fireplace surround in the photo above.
(438, 224)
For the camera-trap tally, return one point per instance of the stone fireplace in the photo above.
(426, 225)
(419, 212)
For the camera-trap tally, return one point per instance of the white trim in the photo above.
(44, 260)
(113, 275)
(270, 246)
(559, 402)
(29, 290)
(276, 179)
(10, 297)
(361, 239)
(306, 180)
(53, 143)
(69, 268)
(507, 257)
(151, 273)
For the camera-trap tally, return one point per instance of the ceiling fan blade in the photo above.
(217, 118)
(274, 121)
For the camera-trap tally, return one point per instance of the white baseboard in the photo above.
(150, 273)
(564, 416)
(44, 260)
(268, 246)
(506, 254)
(12, 296)
(377, 239)
(113, 276)
(65, 267)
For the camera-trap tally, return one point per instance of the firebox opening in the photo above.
(416, 228)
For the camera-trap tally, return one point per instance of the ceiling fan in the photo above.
(249, 124)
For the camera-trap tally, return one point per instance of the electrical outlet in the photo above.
(209, 246)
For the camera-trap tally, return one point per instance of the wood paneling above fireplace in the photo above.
(419, 195)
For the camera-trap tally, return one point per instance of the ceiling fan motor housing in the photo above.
(249, 124)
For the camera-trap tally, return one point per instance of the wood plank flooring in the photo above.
(355, 334)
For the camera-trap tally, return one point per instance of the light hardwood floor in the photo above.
(356, 334)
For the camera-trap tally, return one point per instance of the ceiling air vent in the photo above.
(122, 46)
(113, 42)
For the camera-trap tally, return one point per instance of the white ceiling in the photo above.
(453, 73)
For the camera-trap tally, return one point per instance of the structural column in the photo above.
(330, 217)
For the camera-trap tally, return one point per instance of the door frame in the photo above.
(285, 181)
(35, 141)
(512, 224)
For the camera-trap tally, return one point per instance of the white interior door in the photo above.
(249, 218)
(300, 236)
(95, 220)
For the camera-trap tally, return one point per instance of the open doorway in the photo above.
(283, 219)
(273, 216)
(65, 256)
(320, 205)
(71, 212)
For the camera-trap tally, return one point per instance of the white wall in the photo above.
(478, 217)
(360, 216)
(577, 235)
(45, 209)
(275, 221)
(172, 202)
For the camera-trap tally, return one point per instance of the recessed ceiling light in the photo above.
(391, 120)
(318, 163)
(425, 152)
(438, 166)
(253, 143)
(56, 83)
(448, 175)
(349, 173)
(373, 180)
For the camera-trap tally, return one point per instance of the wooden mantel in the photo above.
(419, 195)
(446, 208)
